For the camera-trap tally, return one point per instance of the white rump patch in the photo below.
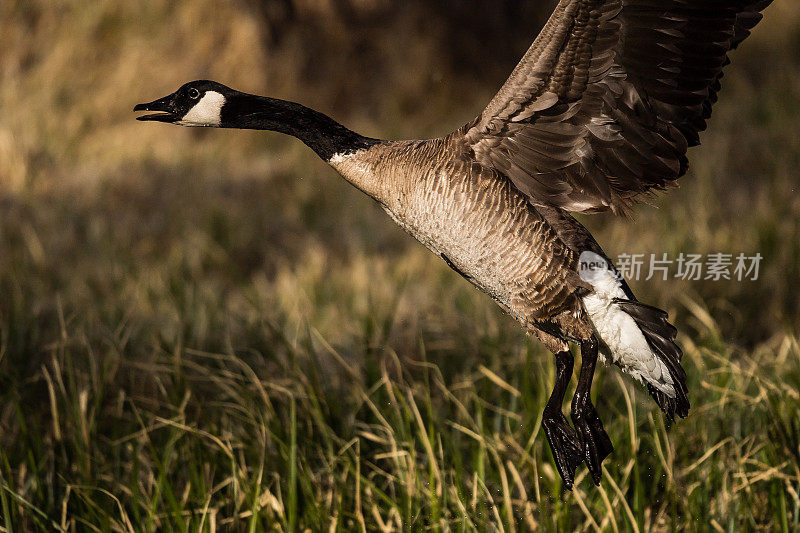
(617, 329)
(206, 112)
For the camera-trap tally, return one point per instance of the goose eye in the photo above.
(194, 94)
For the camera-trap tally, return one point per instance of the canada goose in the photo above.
(600, 112)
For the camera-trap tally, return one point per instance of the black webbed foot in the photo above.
(564, 444)
(595, 443)
(563, 440)
(594, 440)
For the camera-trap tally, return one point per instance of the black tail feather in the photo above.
(660, 336)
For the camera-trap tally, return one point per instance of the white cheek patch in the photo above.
(206, 112)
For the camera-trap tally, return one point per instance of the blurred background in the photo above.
(205, 328)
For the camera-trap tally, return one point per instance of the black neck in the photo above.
(318, 131)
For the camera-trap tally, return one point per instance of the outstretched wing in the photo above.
(605, 103)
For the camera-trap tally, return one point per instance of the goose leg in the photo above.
(594, 439)
(563, 440)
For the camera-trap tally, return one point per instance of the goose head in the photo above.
(197, 103)
(211, 104)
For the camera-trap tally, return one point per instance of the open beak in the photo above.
(163, 105)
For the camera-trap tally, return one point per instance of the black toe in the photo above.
(565, 445)
(595, 442)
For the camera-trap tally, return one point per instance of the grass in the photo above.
(206, 331)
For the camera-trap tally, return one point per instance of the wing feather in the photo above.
(609, 97)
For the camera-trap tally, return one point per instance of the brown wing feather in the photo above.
(604, 105)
